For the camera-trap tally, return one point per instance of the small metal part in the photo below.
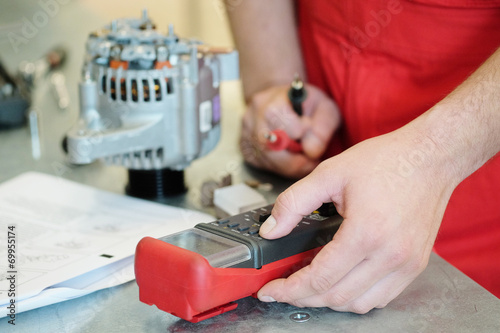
(297, 94)
(267, 187)
(208, 188)
(252, 183)
(115, 53)
(207, 193)
(161, 54)
(300, 317)
(226, 180)
(258, 185)
(271, 137)
(297, 82)
(35, 134)
(58, 81)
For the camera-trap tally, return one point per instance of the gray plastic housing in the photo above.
(139, 113)
(235, 241)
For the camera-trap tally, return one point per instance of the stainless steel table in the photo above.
(442, 299)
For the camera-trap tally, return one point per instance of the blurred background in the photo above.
(202, 19)
(30, 28)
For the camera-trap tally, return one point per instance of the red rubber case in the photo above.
(183, 283)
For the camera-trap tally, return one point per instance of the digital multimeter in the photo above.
(198, 273)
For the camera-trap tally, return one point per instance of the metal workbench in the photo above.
(442, 299)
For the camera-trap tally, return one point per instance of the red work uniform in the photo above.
(385, 62)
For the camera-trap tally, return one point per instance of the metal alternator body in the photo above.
(148, 100)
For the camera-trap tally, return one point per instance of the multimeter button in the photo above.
(263, 217)
(233, 224)
(327, 209)
(253, 231)
(223, 221)
(243, 228)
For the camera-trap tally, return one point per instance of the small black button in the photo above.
(233, 224)
(223, 221)
(327, 209)
(243, 228)
(263, 217)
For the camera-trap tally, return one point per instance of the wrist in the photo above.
(429, 152)
(466, 124)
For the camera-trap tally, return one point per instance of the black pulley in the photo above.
(155, 184)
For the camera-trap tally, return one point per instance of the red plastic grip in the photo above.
(283, 141)
(183, 283)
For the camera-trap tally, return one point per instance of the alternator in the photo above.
(148, 101)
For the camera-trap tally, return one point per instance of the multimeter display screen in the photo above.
(219, 251)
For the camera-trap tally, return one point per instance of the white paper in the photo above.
(106, 277)
(63, 229)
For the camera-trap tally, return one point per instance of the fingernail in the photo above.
(267, 299)
(267, 226)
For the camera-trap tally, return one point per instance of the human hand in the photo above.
(269, 110)
(392, 192)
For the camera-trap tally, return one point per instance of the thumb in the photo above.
(299, 200)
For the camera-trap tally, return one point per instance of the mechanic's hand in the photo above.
(392, 191)
(270, 109)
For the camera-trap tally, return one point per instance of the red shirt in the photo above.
(385, 62)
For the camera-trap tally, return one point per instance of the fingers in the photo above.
(377, 296)
(300, 199)
(342, 278)
(327, 268)
(258, 122)
(354, 300)
(335, 261)
(351, 273)
(282, 162)
(281, 116)
(270, 110)
(323, 122)
(385, 239)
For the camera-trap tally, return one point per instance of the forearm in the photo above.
(464, 128)
(266, 36)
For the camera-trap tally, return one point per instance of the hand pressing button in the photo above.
(263, 217)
